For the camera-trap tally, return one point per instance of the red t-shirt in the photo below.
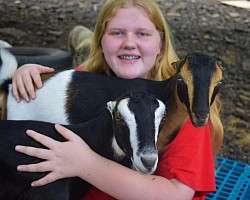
(188, 158)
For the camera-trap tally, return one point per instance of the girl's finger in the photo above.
(46, 69)
(22, 90)
(38, 167)
(42, 139)
(29, 86)
(15, 91)
(49, 178)
(66, 133)
(36, 78)
(33, 151)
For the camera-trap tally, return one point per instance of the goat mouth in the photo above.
(144, 170)
(141, 168)
(199, 122)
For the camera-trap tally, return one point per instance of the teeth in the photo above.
(129, 57)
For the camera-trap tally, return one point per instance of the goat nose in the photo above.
(202, 115)
(149, 160)
(200, 118)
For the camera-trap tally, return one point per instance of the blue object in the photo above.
(232, 180)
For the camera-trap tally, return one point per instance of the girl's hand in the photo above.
(22, 82)
(62, 159)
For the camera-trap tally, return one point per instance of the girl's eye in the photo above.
(143, 34)
(117, 33)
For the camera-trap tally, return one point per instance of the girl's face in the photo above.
(131, 43)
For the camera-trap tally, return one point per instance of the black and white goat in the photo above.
(132, 130)
(71, 97)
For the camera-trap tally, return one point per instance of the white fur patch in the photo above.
(118, 153)
(111, 107)
(51, 96)
(129, 118)
(159, 113)
(4, 44)
(9, 65)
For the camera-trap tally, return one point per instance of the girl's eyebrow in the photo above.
(114, 28)
(136, 30)
(145, 29)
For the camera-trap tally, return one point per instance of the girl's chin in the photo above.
(130, 76)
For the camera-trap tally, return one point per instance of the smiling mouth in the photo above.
(129, 57)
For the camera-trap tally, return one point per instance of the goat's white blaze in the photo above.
(129, 118)
(159, 114)
(52, 97)
(9, 65)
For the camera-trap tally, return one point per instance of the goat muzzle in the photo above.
(199, 119)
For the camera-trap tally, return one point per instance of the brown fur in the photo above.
(46, 76)
(177, 113)
(3, 105)
(217, 131)
(175, 118)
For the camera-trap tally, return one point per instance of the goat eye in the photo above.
(163, 119)
(119, 120)
(220, 82)
(179, 78)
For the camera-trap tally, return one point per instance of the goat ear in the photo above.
(111, 106)
(175, 64)
(220, 62)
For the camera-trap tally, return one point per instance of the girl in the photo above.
(131, 40)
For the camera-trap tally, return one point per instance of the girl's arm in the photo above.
(26, 78)
(74, 158)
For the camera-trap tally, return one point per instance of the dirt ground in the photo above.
(206, 26)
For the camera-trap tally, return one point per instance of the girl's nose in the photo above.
(129, 42)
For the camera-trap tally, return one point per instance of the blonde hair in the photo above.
(162, 68)
(217, 131)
